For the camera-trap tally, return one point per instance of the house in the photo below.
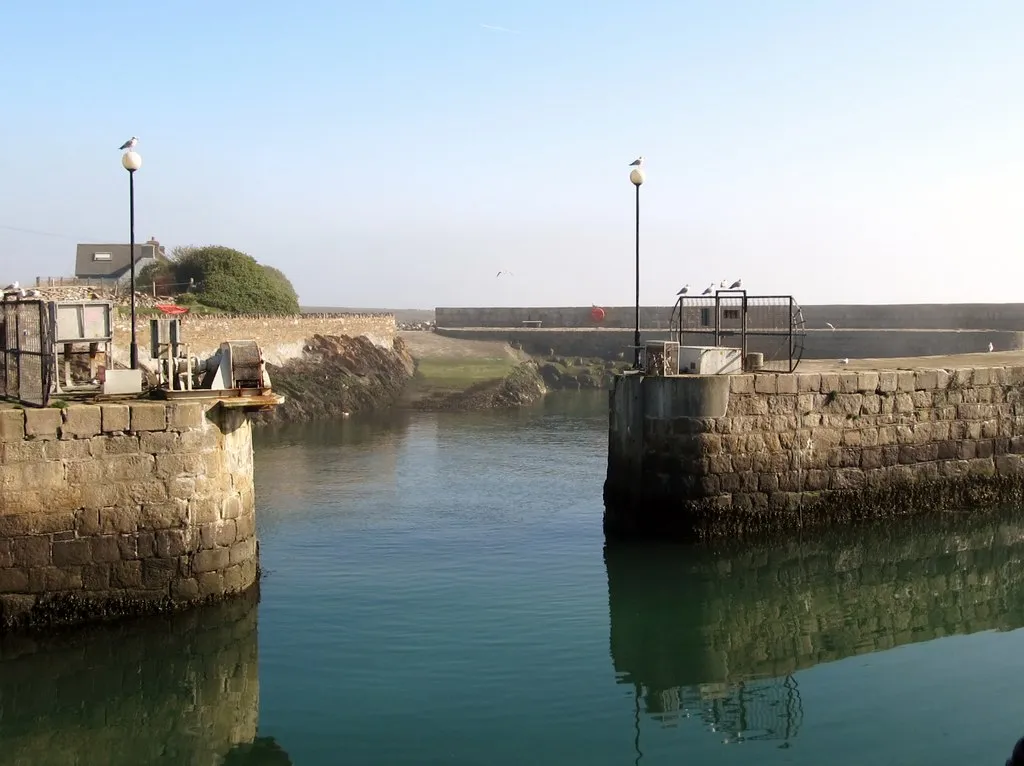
(108, 264)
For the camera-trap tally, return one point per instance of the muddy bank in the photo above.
(521, 386)
(338, 376)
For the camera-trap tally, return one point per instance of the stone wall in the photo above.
(280, 338)
(115, 508)
(613, 344)
(925, 316)
(181, 688)
(722, 455)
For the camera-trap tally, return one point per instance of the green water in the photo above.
(438, 591)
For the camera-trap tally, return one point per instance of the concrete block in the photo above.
(12, 425)
(158, 573)
(246, 549)
(906, 380)
(42, 423)
(829, 382)
(210, 584)
(114, 417)
(105, 548)
(126, 574)
(185, 416)
(148, 417)
(72, 553)
(848, 382)
(170, 543)
(81, 421)
(887, 381)
(185, 590)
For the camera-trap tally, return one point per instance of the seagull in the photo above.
(991, 347)
(721, 285)
(830, 326)
(129, 144)
(736, 285)
(637, 162)
(684, 291)
(709, 289)
(844, 361)
(506, 273)
(12, 287)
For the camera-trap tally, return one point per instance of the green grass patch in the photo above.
(460, 373)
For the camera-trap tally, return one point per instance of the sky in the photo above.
(400, 153)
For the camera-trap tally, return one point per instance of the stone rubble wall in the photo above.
(280, 337)
(123, 508)
(803, 449)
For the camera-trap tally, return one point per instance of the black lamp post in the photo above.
(636, 176)
(132, 161)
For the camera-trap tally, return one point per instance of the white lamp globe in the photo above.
(131, 160)
(636, 175)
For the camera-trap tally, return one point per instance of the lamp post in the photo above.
(132, 161)
(636, 176)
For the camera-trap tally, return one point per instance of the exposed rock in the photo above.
(338, 376)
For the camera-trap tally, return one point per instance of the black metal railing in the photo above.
(772, 325)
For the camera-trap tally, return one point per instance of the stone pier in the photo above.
(718, 456)
(116, 509)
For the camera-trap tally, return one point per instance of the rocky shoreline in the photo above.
(339, 376)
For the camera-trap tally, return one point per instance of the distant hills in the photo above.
(401, 315)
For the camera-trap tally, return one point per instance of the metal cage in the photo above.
(771, 325)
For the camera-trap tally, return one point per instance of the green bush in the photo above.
(232, 281)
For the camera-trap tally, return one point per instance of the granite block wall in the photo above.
(808, 449)
(123, 508)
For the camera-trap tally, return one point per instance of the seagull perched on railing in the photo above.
(736, 285)
(709, 289)
(129, 144)
(684, 291)
(638, 162)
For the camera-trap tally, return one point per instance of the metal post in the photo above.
(636, 334)
(131, 260)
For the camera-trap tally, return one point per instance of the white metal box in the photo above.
(709, 360)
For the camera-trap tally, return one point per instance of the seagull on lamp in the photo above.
(129, 144)
(638, 162)
(684, 291)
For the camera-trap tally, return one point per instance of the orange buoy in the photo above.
(597, 314)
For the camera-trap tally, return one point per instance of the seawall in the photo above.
(281, 338)
(614, 344)
(909, 316)
(123, 508)
(720, 456)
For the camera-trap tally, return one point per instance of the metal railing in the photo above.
(772, 325)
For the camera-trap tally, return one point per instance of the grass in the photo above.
(459, 373)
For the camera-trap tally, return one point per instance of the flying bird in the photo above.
(709, 289)
(684, 291)
(830, 326)
(129, 144)
(637, 162)
(736, 285)
(506, 273)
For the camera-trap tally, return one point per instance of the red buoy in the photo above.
(597, 314)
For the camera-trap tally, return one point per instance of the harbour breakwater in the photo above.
(720, 456)
(118, 509)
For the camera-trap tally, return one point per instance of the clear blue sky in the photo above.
(399, 154)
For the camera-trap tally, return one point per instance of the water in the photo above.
(438, 591)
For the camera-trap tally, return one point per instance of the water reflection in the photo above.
(179, 689)
(718, 634)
